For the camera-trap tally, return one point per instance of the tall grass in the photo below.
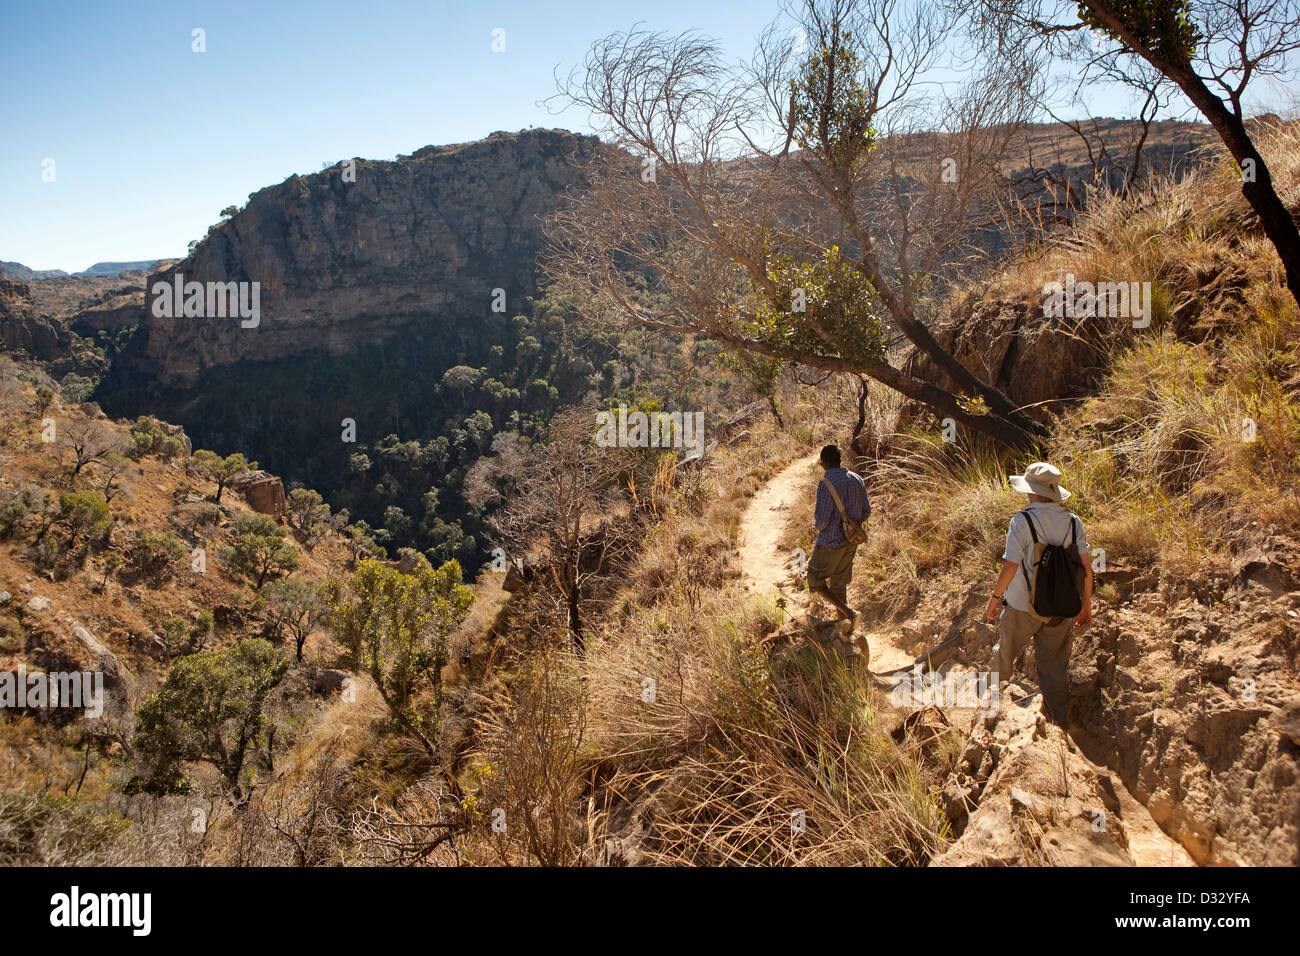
(744, 756)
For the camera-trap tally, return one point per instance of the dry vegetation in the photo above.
(677, 734)
(1157, 459)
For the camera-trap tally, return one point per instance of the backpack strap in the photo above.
(844, 518)
(1033, 534)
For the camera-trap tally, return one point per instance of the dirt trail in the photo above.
(765, 566)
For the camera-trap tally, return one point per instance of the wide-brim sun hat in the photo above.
(1040, 478)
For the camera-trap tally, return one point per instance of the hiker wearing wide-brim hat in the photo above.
(1045, 587)
(1040, 479)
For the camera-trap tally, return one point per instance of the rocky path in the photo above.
(1024, 792)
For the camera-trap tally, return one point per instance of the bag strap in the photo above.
(1074, 529)
(1033, 534)
(844, 518)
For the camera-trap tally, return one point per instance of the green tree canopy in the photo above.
(259, 549)
(218, 469)
(296, 606)
(394, 627)
(210, 709)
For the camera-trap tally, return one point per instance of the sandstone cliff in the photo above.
(343, 263)
(24, 329)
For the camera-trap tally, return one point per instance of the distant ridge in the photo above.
(16, 270)
(100, 270)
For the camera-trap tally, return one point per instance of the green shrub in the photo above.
(154, 556)
(259, 549)
(394, 626)
(210, 709)
(85, 519)
(188, 637)
(149, 438)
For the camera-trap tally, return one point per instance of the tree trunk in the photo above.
(1001, 429)
(776, 412)
(1274, 217)
(995, 426)
(575, 616)
(861, 423)
(923, 339)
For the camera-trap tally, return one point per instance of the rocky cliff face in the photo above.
(346, 256)
(24, 329)
(1034, 360)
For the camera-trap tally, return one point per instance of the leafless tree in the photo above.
(533, 740)
(421, 831)
(808, 206)
(553, 500)
(88, 440)
(115, 466)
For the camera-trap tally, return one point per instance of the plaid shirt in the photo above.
(853, 493)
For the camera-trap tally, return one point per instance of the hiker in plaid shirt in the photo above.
(831, 566)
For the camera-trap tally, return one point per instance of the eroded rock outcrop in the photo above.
(1034, 359)
(263, 492)
(24, 329)
(1022, 794)
(1187, 692)
(1183, 695)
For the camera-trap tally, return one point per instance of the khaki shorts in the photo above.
(831, 567)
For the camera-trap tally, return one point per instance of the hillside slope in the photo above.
(713, 708)
(114, 559)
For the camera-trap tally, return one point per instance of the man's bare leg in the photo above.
(837, 600)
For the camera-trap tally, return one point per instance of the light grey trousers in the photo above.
(1051, 656)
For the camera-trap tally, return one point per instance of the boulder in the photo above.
(926, 728)
(150, 644)
(330, 681)
(116, 674)
(263, 492)
(1286, 721)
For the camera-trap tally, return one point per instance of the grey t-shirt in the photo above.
(1052, 522)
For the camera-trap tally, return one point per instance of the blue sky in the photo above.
(150, 140)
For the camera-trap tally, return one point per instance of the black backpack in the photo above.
(1056, 586)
